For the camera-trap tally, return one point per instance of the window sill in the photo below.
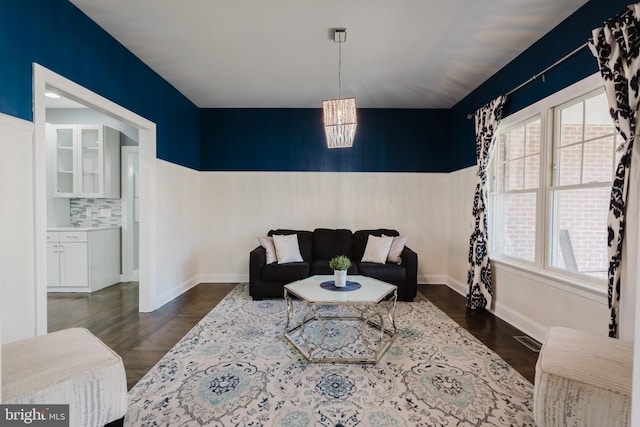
(584, 288)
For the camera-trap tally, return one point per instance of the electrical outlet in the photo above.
(87, 212)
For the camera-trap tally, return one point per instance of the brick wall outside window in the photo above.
(583, 212)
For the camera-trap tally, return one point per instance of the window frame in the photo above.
(555, 187)
(537, 191)
(541, 268)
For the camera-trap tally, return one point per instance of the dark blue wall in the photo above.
(387, 140)
(55, 34)
(567, 36)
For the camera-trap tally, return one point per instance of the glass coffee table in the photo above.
(354, 324)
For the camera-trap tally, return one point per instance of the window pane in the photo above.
(501, 143)
(515, 224)
(598, 160)
(516, 175)
(569, 165)
(571, 124)
(532, 172)
(516, 143)
(598, 121)
(533, 137)
(501, 173)
(580, 244)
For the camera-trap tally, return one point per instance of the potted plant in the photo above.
(340, 264)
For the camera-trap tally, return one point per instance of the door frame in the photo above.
(45, 79)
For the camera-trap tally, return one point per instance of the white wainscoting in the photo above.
(178, 210)
(17, 254)
(237, 207)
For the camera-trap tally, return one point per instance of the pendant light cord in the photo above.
(339, 70)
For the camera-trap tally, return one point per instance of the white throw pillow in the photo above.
(396, 249)
(377, 249)
(287, 249)
(267, 243)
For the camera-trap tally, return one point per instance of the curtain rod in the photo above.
(541, 73)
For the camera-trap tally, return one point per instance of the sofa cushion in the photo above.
(269, 249)
(321, 266)
(285, 272)
(377, 249)
(384, 272)
(360, 238)
(328, 243)
(287, 248)
(304, 240)
(396, 249)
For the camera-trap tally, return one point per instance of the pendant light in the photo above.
(339, 114)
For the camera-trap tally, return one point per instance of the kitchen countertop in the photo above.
(82, 228)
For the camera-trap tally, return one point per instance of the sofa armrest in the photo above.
(410, 262)
(257, 260)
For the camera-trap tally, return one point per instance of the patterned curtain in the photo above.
(617, 49)
(479, 274)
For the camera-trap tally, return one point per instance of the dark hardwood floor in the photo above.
(141, 339)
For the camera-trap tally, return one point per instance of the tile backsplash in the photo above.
(99, 210)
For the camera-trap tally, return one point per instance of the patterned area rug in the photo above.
(235, 368)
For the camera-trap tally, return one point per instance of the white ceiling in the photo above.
(279, 53)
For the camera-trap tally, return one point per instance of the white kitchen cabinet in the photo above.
(72, 264)
(86, 161)
(67, 259)
(83, 260)
(53, 265)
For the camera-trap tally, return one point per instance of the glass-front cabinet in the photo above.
(65, 161)
(91, 163)
(87, 161)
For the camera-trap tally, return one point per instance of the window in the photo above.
(584, 158)
(550, 181)
(516, 181)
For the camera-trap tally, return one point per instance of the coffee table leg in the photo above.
(310, 315)
(289, 302)
(366, 321)
(386, 309)
(392, 311)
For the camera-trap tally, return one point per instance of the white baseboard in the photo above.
(224, 278)
(516, 319)
(459, 287)
(513, 317)
(432, 279)
(175, 292)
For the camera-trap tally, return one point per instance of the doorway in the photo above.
(44, 80)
